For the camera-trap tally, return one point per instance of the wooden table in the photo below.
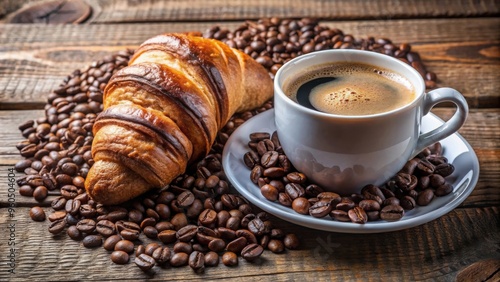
(458, 40)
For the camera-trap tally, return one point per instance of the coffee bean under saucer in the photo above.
(456, 149)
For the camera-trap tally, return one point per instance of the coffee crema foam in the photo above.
(347, 88)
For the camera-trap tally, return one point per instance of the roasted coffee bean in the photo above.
(443, 190)
(291, 241)
(407, 203)
(274, 172)
(162, 255)
(256, 173)
(207, 217)
(187, 233)
(405, 182)
(390, 201)
(139, 250)
(373, 215)
(284, 199)
(59, 203)
(149, 221)
(425, 168)
(119, 257)
(150, 248)
(256, 226)
(313, 190)
(74, 233)
(372, 192)
(40, 193)
(321, 208)
(264, 146)
(357, 215)
(197, 261)
(226, 233)
(110, 242)
(370, 205)
(185, 199)
(296, 177)
(122, 225)
(410, 166)
(179, 259)
(179, 220)
(167, 236)
(144, 262)
(26, 191)
(331, 196)
(294, 190)
(150, 232)
(444, 169)
(277, 233)
(301, 205)
(251, 238)
(424, 182)
(276, 246)
(425, 197)
(150, 213)
(164, 225)
(252, 252)
(87, 211)
(105, 227)
(392, 213)
(237, 245)
(269, 192)
(211, 259)
(124, 245)
(230, 259)
(269, 159)
(251, 159)
(183, 247)
(436, 180)
(92, 241)
(69, 191)
(86, 225)
(256, 136)
(340, 215)
(37, 214)
(57, 226)
(217, 245)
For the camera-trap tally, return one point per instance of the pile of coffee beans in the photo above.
(197, 221)
(419, 181)
(272, 42)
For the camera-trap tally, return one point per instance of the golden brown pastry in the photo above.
(163, 111)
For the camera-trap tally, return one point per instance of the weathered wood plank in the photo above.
(34, 59)
(437, 250)
(482, 131)
(161, 11)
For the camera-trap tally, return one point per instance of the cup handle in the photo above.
(432, 98)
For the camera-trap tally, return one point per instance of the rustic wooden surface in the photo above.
(458, 40)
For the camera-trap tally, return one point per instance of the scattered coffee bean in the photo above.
(37, 214)
(119, 257)
(92, 241)
(144, 262)
(229, 259)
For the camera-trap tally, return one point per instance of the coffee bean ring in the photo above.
(197, 221)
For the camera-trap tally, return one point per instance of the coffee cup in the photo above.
(342, 152)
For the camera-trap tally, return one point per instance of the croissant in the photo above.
(162, 112)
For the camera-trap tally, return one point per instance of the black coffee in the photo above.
(352, 89)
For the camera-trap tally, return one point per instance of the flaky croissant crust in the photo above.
(163, 111)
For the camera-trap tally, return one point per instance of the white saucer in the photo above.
(456, 149)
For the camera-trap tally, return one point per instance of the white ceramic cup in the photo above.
(344, 153)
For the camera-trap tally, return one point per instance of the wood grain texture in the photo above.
(119, 11)
(216, 10)
(419, 253)
(34, 60)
